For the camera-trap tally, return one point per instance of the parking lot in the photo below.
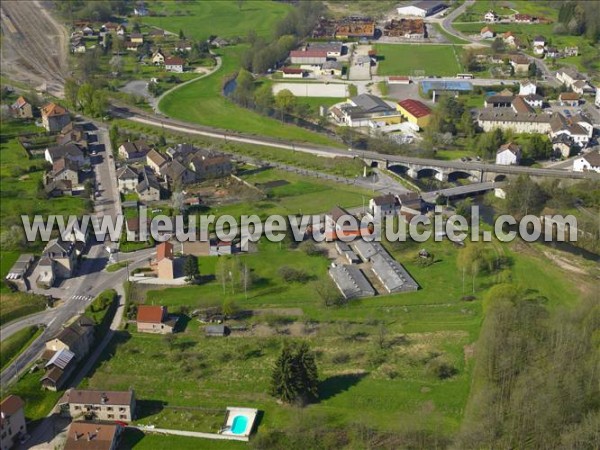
(338, 90)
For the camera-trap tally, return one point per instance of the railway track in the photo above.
(35, 44)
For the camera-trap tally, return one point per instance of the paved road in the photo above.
(44, 433)
(140, 116)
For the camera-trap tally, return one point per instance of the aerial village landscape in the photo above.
(362, 115)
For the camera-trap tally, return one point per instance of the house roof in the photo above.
(388, 199)
(486, 29)
(519, 59)
(126, 173)
(308, 53)
(156, 157)
(511, 146)
(151, 313)
(94, 397)
(174, 61)
(370, 103)
(73, 333)
(139, 146)
(399, 78)
(415, 108)
(574, 74)
(61, 359)
(20, 103)
(164, 250)
(569, 96)
(593, 158)
(521, 106)
(337, 212)
(91, 436)
(64, 164)
(52, 109)
(11, 405)
(60, 151)
(147, 181)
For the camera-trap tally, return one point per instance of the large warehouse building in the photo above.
(422, 9)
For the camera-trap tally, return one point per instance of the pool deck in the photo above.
(197, 434)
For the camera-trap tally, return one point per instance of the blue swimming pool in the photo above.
(239, 424)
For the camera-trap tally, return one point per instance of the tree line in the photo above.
(536, 378)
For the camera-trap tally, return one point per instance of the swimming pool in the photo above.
(239, 424)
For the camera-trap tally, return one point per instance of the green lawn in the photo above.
(438, 60)
(200, 19)
(12, 347)
(202, 102)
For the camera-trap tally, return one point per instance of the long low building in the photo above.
(392, 274)
(507, 119)
(351, 282)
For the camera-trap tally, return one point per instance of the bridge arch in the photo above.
(500, 177)
(459, 175)
(399, 169)
(429, 172)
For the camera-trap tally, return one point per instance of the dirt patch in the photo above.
(469, 351)
(563, 263)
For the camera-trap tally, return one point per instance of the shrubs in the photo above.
(441, 368)
(291, 275)
(311, 248)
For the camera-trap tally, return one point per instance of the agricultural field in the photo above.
(376, 356)
(201, 19)
(438, 60)
(202, 102)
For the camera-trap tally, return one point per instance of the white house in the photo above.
(539, 44)
(508, 154)
(174, 64)
(486, 33)
(568, 76)
(589, 162)
(385, 205)
(491, 17)
(527, 87)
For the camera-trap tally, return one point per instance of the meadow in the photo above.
(201, 19)
(202, 102)
(477, 10)
(438, 60)
(375, 355)
(11, 347)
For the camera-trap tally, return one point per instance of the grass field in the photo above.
(201, 19)
(361, 381)
(19, 304)
(11, 347)
(438, 60)
(449, 37)
(202, 102)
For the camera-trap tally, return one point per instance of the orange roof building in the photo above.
(415, 112)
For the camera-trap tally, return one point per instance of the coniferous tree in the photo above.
(295, 375)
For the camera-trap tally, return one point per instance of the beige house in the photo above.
(12, 421)
(98, 405)
(65, 169)
(155, 160)
(154, 319)
(165, 263)
(54, 117)
(77, 337)
(22, 109)
(158, 57)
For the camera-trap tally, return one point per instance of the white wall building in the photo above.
(508, 154)
(527, 87)
(589, 162)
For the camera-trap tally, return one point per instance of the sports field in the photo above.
(440, 60)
